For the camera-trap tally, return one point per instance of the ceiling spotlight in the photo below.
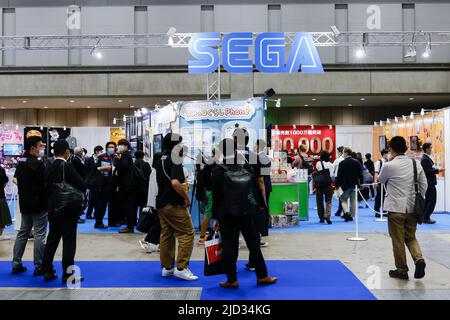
(95, 52)
(313, 99)
(114, 121)
(170, 33)
(404, 118)
(350, 105)
(411, 99)
(312, 126)
(45, 107)
(411, 116)
(388, 121)
(120, 100)
(330, 127)
(72, 101)
(41, 127)
(131, 107)
(88, 107)
(422, 112)
(427, 52)
(124, 118)
(306, 105)
(144, 110)
(375, 124)
(3, 108)
(278, 104)
(24, 101)
(64, 128)
(362, 99)
(269, 93)
(411, 52)
(294, 126)
(396, 119)
(360, 53)
(335, 31)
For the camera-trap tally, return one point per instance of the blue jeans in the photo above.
(39, 223)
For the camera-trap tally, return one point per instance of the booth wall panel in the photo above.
(310, 17)
(359, 138)
(185, 19)
(89, 137)
(108, 20)
(41, 21)
(390, 20)
(447, 157)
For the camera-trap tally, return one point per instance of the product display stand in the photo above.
(356, 237)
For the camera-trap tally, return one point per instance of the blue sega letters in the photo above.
(269, 53)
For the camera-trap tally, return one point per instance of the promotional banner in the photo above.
(316, 139)
(11, 144)
(116, 134)
(55, 134)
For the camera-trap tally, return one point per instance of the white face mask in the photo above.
(111, 150)
(122, 148)
(41, 153)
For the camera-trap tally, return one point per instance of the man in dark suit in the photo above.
(349, 176)
(80, 167)
(144, 166)
(94, 180)
(430, 172)
(61, 225)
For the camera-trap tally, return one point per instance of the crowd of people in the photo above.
(233, 187)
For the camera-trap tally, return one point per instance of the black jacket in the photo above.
(427, 165)
(124, 173)
(370, 166)
(54, 174)
(30, 175)
(145, 168)
(349, 174)
(3, 180)
(79, 166)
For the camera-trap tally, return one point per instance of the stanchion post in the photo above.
(357, 237)
(381, 219)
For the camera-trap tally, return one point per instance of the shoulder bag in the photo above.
(419, 201)
(67, 199)
(322, 178)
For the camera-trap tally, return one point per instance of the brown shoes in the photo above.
(229, 285)
(267, 280)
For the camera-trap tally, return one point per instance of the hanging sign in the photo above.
(269, 49)
(194, 111)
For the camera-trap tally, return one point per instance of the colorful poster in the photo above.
(55, 134)
(11, 144)
(116, 134)
(316, 139)
(438, 140)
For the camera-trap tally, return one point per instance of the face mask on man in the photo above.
(122, 148)
(41, 153)
(111, 151)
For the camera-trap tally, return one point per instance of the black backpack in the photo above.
(139, 181)
(238, 184)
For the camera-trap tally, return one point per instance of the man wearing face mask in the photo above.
(105, 192)
(33, 204)
(126, 185)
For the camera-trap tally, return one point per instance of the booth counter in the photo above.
(289, 192)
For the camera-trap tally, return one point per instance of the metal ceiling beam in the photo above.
(181, 40)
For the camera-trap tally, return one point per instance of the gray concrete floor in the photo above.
(370, 261)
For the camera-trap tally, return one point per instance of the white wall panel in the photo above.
(240, 18)
(41, 21)
(90, 137)
(108, 20)
(160, 19)
(359, 138)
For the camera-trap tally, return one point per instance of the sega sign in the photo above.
(269, 52)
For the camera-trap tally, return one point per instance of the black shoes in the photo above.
(50, 277)
(81, 221)
(420, 269)
(398, 275)
(337, 214)
(89, 217)
(377, 215)
(429, 221)
(348, 217)
(18, 269)
(328, 221)
(126, 230)
(38, 272)
(100, 226)
(322, 221)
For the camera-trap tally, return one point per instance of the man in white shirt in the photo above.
(398, 175)
(334, 171)
(378, 165)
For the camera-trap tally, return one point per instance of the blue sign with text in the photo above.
(269, 53)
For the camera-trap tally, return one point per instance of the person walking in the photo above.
(398, 176)
(30, 176)
(349, 177)
(266, 168)
(105, 193)
(94, 180)
(430, 171)
(233, 207)
(324, 166)
(172, 202)
(378, 166)
(339, 159)
(5, 215)
(371, 167)
(126, 185)
(78, 162)
(146, 170)
(61, 225)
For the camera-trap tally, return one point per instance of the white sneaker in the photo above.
(167, 273)
(144, 245)
(264, 244)
(152, 248)
(185, 274)
(4, 238)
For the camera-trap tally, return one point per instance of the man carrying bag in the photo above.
(214, 255)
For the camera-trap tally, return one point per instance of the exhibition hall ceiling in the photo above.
(414, 101)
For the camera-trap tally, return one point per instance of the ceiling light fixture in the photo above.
(363, 99)
(24, 101)
(170, 33)
(411, 99)
(313, 99)
(124, 118)
(306, 105)
(396, 119)
(427, 52)
(388, 121)
(411, 116)
(422, 112)
(411, 52)
(278, 103)
(114, 121)
(88, 107)
(404, 118)
(45, 107)
(120, 100)
(335, 31)
(72, 101)
(375, 124)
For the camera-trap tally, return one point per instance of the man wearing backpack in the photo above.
(172, 202)
(234, 206)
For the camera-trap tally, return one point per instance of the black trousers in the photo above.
(229, 230)
(127, 207)
(154, 233)
(378, 198)
(430, 201)
(65, 228)
(340, 209)
(92, 200)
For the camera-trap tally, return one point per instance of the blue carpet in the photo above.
(367, 222)
(298, 280)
